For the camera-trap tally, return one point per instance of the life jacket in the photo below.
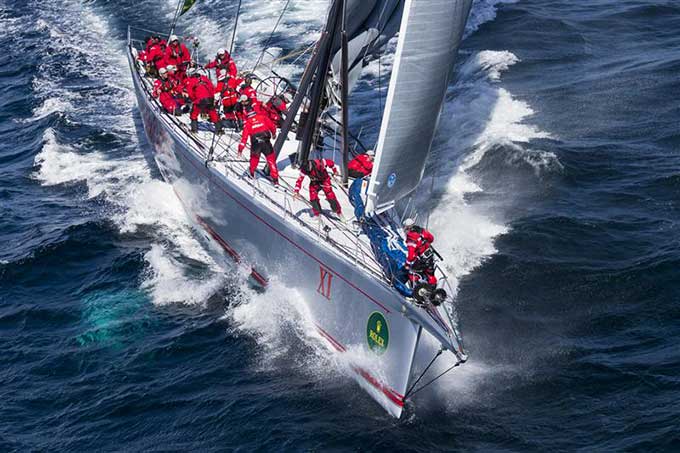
(249, 91)
(227, 93)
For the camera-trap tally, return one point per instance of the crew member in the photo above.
(223, 61)
(201, 92)
(177, 55)
(420, 257)
(362, 165)
(245, 105)
(164, 89)
(174, 76)
(260, 130)
(248, 90)
(319, 179)
(226, 94)
(154, 57)
(276, 109)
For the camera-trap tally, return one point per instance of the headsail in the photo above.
(430, 33)
(187, 6)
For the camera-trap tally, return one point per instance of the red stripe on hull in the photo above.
(392, 395)
(202, 170)
(230, 251)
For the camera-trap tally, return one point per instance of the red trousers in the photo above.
(263, 146)
(204, 106)
(314, 188)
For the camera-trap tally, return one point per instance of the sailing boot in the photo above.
(194, 126)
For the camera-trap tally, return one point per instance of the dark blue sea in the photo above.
(553, 191)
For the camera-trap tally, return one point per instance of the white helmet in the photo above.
(173, 38)
(171, 68)
(162, 71)
(221, 51)
(370, 152)
(408, 223)
(243, 98)
(222, 75)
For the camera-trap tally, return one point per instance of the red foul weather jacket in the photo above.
(257, 124)
(318, 174)
(361, 164)
(200, 88)
(418, 240)
(177, 55)
(223, 63)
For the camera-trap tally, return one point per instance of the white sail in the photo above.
(429, 36)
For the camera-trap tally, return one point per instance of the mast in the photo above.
(233, 34)
(318, 86)
(344, 95)
(311, 86)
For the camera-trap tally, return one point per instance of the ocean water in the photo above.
(553, 193)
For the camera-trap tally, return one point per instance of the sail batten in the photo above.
(429, 37)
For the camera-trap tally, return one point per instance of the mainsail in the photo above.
(429, 36)
(370, 24)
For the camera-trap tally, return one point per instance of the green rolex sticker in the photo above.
(377, 333)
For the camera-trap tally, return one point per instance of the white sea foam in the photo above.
(278, 319)
(138, 202)
(59, 164)
(483, 11)
(169, 281)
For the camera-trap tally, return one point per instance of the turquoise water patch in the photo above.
(114, 318)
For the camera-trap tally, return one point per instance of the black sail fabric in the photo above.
(429, 37)
(370, 25)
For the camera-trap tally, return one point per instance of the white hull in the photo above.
(354, 309)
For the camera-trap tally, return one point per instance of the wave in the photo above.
(483, 11)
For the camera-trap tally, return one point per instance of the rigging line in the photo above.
(408, 392)
(369, 45)
(429, 211)
(233, 34)
(271, 35)
(440, 375)
(174, 20)
(380, 94)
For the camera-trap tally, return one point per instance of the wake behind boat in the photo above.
(371, 287)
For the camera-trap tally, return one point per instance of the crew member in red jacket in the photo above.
(223, 61)
(362, 165)
(226, 94)
(154, 57)
(201, 92)
(319, 179)
(164, 88)
(177, 55)
(260, 130)
(276, 109)
(420, 257)
(248, 90)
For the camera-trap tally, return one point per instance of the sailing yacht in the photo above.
(350, 272)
